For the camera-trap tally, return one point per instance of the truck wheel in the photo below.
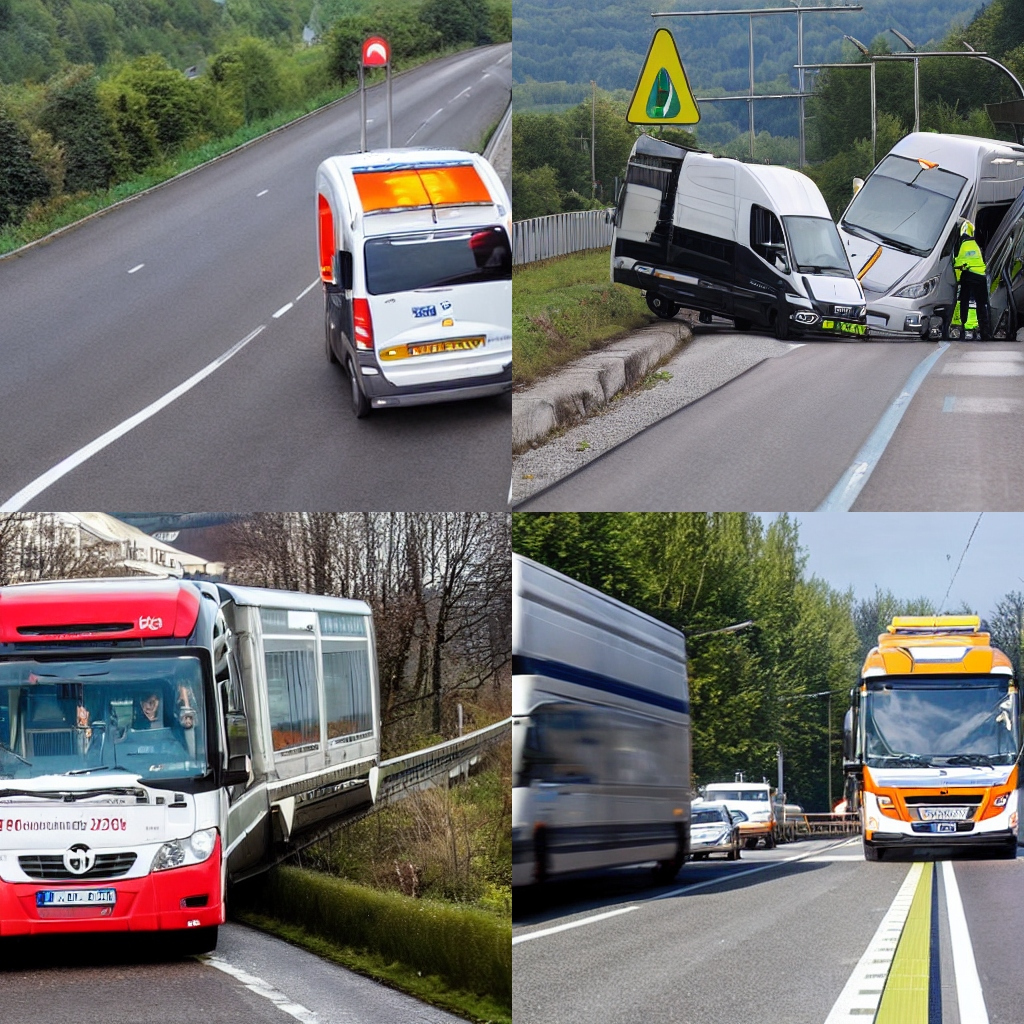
(750, 843)
(360, 403)
(661, 306)
(734, 853)
(871, 852)
(769, 841)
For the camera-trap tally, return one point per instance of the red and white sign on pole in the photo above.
(376, 54)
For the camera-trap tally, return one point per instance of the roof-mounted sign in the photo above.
(662, 94)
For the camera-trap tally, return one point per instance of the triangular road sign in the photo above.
(662, 94)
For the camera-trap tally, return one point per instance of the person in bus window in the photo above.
(149, 711)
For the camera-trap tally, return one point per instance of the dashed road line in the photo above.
(284, 309)
(571, 924)
(263, 193)
(306, 291)
(262, 988)
(16, 502)
(136, 268)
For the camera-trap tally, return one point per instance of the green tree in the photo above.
(535, 193)
(22, 181)
(172, 102)
(250, 77)
(458, 21)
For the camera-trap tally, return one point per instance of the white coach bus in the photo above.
(601, 732)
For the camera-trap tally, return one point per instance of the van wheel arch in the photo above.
(360, 403)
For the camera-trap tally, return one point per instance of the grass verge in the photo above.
(564, 307)
(457, 958)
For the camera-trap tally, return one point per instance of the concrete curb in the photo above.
(581, 389)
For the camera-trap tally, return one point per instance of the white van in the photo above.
(900, 228)
(746, 241)
(600, 732)
(416, 266)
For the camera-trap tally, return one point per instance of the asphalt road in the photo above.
(782, 435)
(251, 978)
(775, 944)
(105, 321)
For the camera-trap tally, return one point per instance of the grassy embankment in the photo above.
(417, 895)
(564, 307)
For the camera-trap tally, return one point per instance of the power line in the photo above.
(961, 562)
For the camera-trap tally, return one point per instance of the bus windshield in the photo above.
(437, 259)
(67, 716)
(905, 204)
(750, 796)
(972, 722)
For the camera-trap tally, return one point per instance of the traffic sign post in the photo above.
(376, 53)
(662, 94)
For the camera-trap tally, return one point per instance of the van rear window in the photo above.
(434, 259)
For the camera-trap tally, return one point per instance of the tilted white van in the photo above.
(416, 266)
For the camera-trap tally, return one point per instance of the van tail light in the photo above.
(363, 324)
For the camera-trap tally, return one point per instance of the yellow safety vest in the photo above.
(969, 258)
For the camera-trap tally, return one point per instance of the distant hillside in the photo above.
(555, 42)
(38, 37)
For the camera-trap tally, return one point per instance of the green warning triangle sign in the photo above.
(662, 94)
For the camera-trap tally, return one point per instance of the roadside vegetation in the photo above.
(764, 687)
(84, 124)
(564, 307)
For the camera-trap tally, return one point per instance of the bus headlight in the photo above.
(1000, 801)
(917, 291)
(181, 852)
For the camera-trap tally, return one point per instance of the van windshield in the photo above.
(816, 246)
(435, 259)
(905, 204)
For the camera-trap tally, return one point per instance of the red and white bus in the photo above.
(159, 738)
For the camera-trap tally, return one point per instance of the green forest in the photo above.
(551, 162)
(95, 93)
(763, 688)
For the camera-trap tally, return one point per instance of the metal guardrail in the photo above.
(495, 139)
(398, 775)
(824, 824)
(540, 238)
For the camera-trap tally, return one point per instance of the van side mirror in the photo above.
(858, 184)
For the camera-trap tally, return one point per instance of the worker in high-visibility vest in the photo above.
(969, 266)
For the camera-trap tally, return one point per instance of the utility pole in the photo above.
(593, 117)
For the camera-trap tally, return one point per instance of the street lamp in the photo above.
(917, 62)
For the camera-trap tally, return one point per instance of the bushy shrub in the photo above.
(22, 180)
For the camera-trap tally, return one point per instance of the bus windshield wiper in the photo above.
(99, 768)
(971, 759)
(906, 761)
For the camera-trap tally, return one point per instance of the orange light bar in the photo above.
(928, 165)
(410, 187)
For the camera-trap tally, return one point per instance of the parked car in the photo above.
(714, 829)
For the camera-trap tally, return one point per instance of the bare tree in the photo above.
(40, 546)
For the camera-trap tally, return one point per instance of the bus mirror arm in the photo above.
(238, 771)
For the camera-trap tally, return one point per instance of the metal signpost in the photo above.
(376, 54)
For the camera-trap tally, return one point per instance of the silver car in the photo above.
(714, 829)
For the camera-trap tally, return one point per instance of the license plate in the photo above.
(76, 897)
(452, 345)
(944, 826)
(841, 327)
(943, 813)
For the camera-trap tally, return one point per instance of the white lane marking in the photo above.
(465, 92)
(284, 309)
(134, 269)
(862, 993)
(306, 291)
(968, 985)
(65, 466)
(571, 924)
(988, 368)
(982, 406)
(261, 988)
(845, 492)
(995, 356)
(263, 193)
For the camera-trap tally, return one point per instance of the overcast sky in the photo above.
(915, 554)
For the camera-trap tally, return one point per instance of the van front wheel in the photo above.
(360, 403)
(661, 306)
(780, 324)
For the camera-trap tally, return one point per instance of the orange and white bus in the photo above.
(932, 739)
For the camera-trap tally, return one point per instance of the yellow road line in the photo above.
(905, 998)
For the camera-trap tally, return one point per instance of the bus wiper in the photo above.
(99, 768)
(971, 759)
(908, 760)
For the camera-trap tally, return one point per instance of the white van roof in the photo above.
(998, 166)
(385, 190)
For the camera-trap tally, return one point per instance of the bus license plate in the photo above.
(76, 897)
(943, 813)
(841, 327)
